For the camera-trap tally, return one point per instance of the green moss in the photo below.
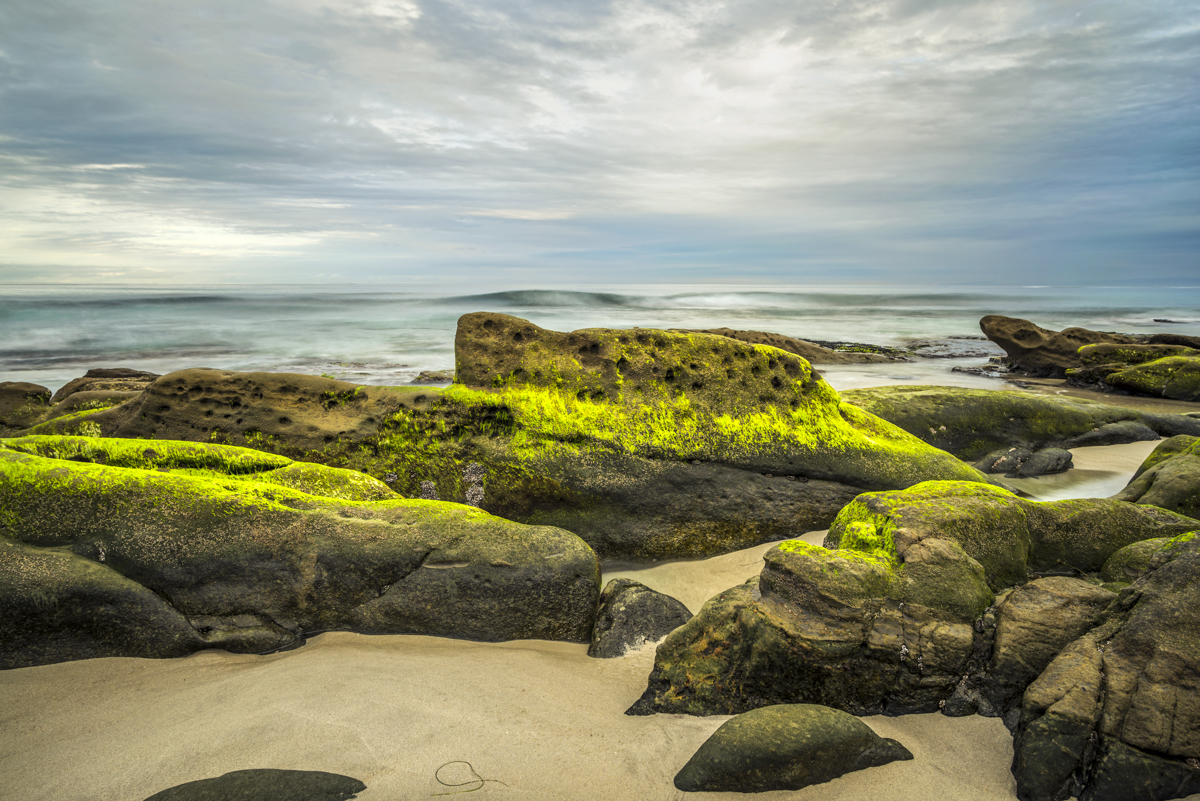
(149, 454)
(1176, 377)
(73, 423)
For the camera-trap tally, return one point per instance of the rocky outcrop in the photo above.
(106, 380)
(21, 405)
(810, 351)
(1038, 351)
(891, 616)
(113, 547)
(978, 424)
(785, 747)
(647, 444)
(1115, 716)
(1169, 478)
(631, 615)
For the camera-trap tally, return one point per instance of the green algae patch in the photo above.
(805, 574)
(149, 454)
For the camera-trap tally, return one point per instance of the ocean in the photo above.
(377, 334)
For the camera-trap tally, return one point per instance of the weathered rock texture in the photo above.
(646, 444)
(1169, 478)
(21, 405)
(891, 617)
(106, 379)
(631, 615)
(113, 547)
(1038, 351)
(813, 353)
(785, 747)
(977, 424)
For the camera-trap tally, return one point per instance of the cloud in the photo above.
(765, 139)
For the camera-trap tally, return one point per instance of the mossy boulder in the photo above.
(647, 444)
(1038, 351)
(974, 424)
(1169, 478)
(810, 351)
(889, 616)
(195, 546)
(1117, 714)
(1128, 564)
(1128, 355)
(21, 405)
(785, 747)
(266, 784)
(1174, 377)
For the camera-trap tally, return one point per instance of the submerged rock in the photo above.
(150, 548)
(974, 424)
(631, 615)
(1169, 477)
(647, 444)
(785, 747)
(888, 618)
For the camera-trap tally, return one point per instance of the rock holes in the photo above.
(489, 324)
(776, 382)
(285, 420)
(518, 338)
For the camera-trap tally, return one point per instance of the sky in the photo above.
(555, 142)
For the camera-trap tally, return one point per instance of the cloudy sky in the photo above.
(551, 142)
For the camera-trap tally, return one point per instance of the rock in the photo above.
(1174, 377)
(1116, 715)
(106, 379)
(1037, 351)
(22, 404)
(1021, 463)
(1033, 624)
(888, 617)
(1169, 478)
(785, 747)
(266, 784)
(426, 377)
(1129, 563)
(975, 423)
(812, 352)
(1127, 355)
(631, 615)
(646, 444)
(196, 546)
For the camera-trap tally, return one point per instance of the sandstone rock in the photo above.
(1169, 478)
(1038, 351)
(106, 379)
(631, 615)
(785, 747)
(22, 404)
(813, 353)
(1129, 563)
(645, 443)
(1117, 714)
(216, 546)
(973, 423)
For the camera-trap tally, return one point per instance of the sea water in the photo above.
(380, 334)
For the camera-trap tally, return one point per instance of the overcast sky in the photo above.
(546, 143)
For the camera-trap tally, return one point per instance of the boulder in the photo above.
(1116, 715)
(976, 423)
(810, 351)
(106, 379)
(1022, 463)
(1040, 352)
(1169, 478)
(647, 444)
(1128, 564)
(631, 615)
(266, 784)
(785, 747)
(1174, 377)
(1128, 355)
(153, 548)
(21, 405)
(889, 616)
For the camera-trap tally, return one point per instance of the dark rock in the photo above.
(812, 352)
(1116, 715)
(22, 404)
(645, 443)
(147, 563)
(889, 617)
(1169, 478)
(631, 615)
(1021, 463)
(1039, 352)
(975, 423)
(265, 784)
(785, 747)
(434, 377)
(1175, 339)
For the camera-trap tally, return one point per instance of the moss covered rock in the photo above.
(251, 550)
(810, 351)
(1038, 351)
(21, 405)
(785, 747)
(1169, 478)
(647, 444)
(975, 423)
(889, 617)
(1128, 355)
(1174, 377)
